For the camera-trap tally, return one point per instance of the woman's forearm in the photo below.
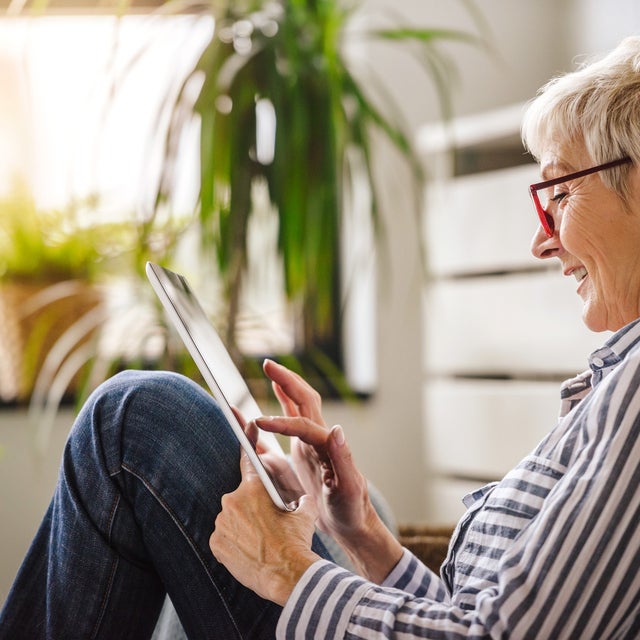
(374, 551)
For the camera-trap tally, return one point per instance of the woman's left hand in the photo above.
(264, 548)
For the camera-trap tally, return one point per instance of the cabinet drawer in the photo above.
(520, 324)
(482, 222)
(481, 429)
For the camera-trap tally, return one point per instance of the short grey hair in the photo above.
(599, 105)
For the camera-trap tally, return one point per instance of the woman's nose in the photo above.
(543, 246)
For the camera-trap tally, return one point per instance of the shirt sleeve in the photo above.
(414, 577)
(323, 602)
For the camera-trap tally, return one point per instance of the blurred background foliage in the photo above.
(288, 114)
(280, 105)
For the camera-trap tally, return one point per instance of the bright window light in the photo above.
(80, 111)
(82, 104)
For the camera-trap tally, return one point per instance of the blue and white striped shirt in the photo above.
(551, 551)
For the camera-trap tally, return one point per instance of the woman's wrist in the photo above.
(374, 550)
(286, 576)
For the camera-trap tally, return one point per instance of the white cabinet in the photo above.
(501, 329)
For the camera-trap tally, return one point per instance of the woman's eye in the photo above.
(558, 197)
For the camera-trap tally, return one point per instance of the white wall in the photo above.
(595, 27)
(526, 42)
(27, 479)
(529, 43)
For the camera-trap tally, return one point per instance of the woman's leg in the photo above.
(143, 472)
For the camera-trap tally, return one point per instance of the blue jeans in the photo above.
(142, 475)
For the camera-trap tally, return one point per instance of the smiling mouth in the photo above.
(579, 274)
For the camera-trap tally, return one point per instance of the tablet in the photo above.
(219, 371)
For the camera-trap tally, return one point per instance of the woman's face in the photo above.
(596, 238)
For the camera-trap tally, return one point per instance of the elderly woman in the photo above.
(550, 551)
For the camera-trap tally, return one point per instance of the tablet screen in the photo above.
(217, 367)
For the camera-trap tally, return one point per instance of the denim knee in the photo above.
(150, 383)
(139, 414)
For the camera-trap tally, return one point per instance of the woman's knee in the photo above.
(131, 382)
(151, 393)
(140, 411)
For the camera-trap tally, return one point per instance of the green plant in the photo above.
(58, 269)
(49, 245)
(279, 68)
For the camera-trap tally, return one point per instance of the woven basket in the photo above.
(33, 317)
(430, 544)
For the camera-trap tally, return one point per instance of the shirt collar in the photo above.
(604, 360)
(601, 363)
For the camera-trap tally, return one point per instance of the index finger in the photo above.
(305, 429)
(294, 392)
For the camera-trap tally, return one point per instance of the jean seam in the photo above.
(112, 516)
(114, 568)
(152, 490)
(105, 599)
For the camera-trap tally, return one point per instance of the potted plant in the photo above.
(49, 265)
(279, 106)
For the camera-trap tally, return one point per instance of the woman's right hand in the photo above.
(326, 469)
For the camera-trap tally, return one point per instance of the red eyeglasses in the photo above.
(546, 219)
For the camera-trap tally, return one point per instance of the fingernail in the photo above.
(338, 435)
